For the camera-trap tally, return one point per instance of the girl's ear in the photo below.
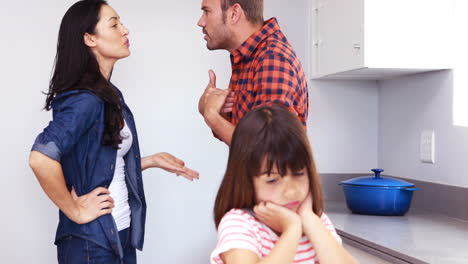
(89, 40)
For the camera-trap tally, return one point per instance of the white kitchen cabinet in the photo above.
(379, 39)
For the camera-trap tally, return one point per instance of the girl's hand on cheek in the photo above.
(305, 209)
(277, 217)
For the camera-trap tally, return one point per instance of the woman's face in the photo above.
(289, 190)
(110, 40)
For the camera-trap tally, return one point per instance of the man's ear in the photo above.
(89, 40)
(235, 14)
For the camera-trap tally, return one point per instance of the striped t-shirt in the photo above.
(238, 229)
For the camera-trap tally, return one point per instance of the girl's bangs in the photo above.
(287, 154)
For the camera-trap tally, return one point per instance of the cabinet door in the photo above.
(338, 35)
(413, 34)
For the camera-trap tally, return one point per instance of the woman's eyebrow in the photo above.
(116, 18)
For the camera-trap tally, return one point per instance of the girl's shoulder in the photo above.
(330, 227)
(237, 230)
(243, 215)
(325, 219)
(240, 218)
(244, 219)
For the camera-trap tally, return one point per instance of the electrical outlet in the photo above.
(427, 146)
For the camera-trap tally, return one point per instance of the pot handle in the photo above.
(377, 173)
(410, 189)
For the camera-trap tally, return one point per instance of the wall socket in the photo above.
(427, 146)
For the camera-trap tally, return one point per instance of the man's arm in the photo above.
(220, 126)
(210, 106)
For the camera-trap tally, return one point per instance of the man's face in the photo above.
(217, 32)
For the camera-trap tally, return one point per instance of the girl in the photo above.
(269, 207)
(87, 159)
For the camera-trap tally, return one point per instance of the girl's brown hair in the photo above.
(270, 134)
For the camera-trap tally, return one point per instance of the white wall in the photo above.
(162, 82)
(409, 105)
(27, 44)
(343, 125)
(460, 93)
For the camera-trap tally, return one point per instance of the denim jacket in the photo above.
(74, 138)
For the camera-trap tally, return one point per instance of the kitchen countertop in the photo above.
(416, 237)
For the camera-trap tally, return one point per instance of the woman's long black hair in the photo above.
(76, 66)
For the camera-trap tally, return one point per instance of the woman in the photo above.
(87, 159)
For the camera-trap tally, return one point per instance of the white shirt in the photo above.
(118, 187)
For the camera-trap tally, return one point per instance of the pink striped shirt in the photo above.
(240, 230)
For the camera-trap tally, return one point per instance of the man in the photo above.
(265, 69)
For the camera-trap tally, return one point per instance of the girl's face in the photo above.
(289, 190)
(111, 38)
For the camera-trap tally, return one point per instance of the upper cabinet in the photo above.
(379, 39)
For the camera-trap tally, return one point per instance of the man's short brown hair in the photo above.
(253, 9)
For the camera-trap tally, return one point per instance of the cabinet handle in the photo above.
(317, 43)
(357, 46)
(318, 7)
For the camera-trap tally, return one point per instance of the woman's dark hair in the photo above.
(271, 136)
(76, 66)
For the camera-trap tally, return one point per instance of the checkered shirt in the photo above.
(266, 70)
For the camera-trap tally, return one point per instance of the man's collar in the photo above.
(249, 46)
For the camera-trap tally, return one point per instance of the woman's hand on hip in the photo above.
(92, 205)
(277, 217)
(168, 163)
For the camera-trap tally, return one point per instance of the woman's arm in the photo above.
(328, 250)
(169, 163)
(81, 209)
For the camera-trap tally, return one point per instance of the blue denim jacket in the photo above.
(74, 138)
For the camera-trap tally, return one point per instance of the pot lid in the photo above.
(377, 181)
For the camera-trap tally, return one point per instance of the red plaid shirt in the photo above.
(265, 70)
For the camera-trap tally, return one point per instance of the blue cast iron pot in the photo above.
(378, 195)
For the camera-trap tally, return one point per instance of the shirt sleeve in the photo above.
(328, 225)
(234, 232)
(276, 81)
(72, 118)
